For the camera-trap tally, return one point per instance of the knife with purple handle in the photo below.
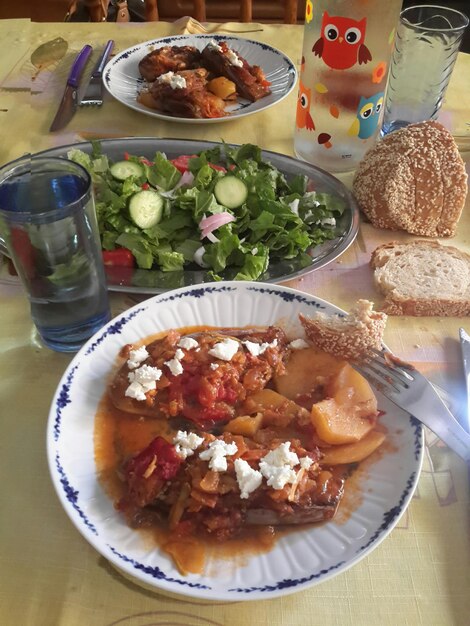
(69, 101)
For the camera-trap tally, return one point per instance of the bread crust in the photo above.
(420, 305)
(353, 337)
(413, 180)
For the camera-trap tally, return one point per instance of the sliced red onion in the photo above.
(212, 222)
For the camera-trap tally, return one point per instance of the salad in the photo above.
(225, 209)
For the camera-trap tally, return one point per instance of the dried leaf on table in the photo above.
(48, 53)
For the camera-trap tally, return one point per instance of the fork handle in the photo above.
(99, 67)
(450, 431)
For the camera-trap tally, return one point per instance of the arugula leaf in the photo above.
(163, 174)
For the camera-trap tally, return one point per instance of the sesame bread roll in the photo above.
(413, 180)
(352, 337)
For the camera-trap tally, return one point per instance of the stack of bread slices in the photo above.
(414, 180)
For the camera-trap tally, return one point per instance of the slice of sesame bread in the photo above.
(422, 278)
(351, 337)
(413, 180)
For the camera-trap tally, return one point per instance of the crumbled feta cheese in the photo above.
(225, 350)
(255, 349)
(298, 344)
(188, 343)
(142, 380)
(277, 466)
(136, 357)
(145, 374)
(294, 206)
(214, 366)
(328, 221)
(135, 391)
(254, 251)
(214, 45)
(173, 80)
(306, 462)
(281, 456)
(278, 477)
(175, 366)
(216, 454)
(248, 479)
(186, 443)
(233, 58)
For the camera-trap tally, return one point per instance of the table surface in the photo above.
(420, 575)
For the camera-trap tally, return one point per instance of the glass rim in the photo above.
(445, 10)
(21, 165)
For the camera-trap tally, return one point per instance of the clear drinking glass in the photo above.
(48, 227)
(345, 58)
(426, 46)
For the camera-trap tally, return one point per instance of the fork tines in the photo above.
(385, 372)
(93, 95)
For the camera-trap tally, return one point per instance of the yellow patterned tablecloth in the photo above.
(49, 575)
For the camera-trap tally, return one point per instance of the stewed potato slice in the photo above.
(353, 452)
(306, 370)
(348, 412)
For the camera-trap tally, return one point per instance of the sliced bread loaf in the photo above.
(413, 180)
(422, 278)
(351, 337)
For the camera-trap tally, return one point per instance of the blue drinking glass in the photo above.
(48, 227)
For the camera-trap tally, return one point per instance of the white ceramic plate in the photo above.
(122, 78)
(300, 559)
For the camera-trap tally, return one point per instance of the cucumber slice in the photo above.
(230, 191)
(146, 208)
(123, 169)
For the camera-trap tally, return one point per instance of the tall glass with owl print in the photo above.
(345, 57)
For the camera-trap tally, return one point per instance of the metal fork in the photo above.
(192, 26)
(411, 391)
(94, 91)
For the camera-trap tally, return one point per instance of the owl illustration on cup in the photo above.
(341, 43)
(367, 116)
(303, 117)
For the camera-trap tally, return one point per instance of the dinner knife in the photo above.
(69, 102)
(465, 347)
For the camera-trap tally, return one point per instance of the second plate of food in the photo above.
(124, 81)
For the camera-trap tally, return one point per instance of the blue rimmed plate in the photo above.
(122, 78)
(300, 559)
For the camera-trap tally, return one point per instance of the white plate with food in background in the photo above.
(378, 494)
(124, 82)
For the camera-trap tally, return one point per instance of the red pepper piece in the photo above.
(182, 162)
(219, 168)
(158, 459)
(120, 257)
(148, 471)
